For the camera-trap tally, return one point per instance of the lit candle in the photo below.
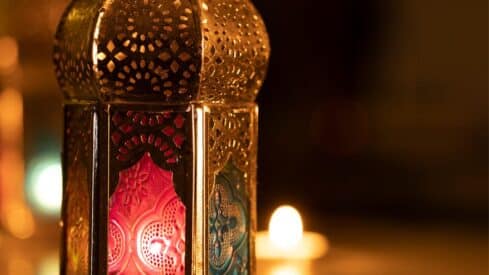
(286, 249)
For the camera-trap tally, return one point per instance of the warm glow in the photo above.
(49, 265)
(18, 264)
(287, 270)
(9, 52)
(15, 214)
(287, 240)
(19, 221)
(138, 239)
(156, 247)
(12, 114)
(46, 186)
(285, 227)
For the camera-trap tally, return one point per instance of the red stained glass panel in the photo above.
(146, 233)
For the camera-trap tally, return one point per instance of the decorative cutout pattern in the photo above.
(78, 132)
(146, 222)
(232, 161)
(171, 52)
(72, 49)
(161, 133)
(230, 136)
(148, 47)
(117, 239)
(162, 50)
(228, 223)
(236, 50)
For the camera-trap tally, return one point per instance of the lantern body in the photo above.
(160, 136)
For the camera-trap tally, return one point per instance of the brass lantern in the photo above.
(160, 135)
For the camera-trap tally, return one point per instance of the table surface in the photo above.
(387, 248)
(356, 247)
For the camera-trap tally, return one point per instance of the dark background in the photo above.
(376, 109)
(371, 108)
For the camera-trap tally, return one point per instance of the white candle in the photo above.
(286, 249)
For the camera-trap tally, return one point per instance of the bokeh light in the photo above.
(19, 221)
(45, 185)
(49, 265)
(19, 264)
(9, 52)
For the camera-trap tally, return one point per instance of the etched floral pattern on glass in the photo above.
(146, 222)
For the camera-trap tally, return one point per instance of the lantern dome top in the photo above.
(172, 51)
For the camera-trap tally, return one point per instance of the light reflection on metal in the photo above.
(174, 81)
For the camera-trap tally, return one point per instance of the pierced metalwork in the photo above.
(162, 50)
(235, 53)
(170, 88)
(229, 223)
(151, 50)
(232, 178)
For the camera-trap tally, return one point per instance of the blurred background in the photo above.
(373, 124)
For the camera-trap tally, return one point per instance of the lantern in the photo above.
(160, 135)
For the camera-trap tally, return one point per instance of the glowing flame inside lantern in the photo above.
(156, 247)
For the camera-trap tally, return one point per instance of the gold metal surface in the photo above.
(235, 51)
(233, 138)
(172, 51)
(209, 57)
(199, 241)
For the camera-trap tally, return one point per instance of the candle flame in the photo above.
(286, 239)
(286, 229)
